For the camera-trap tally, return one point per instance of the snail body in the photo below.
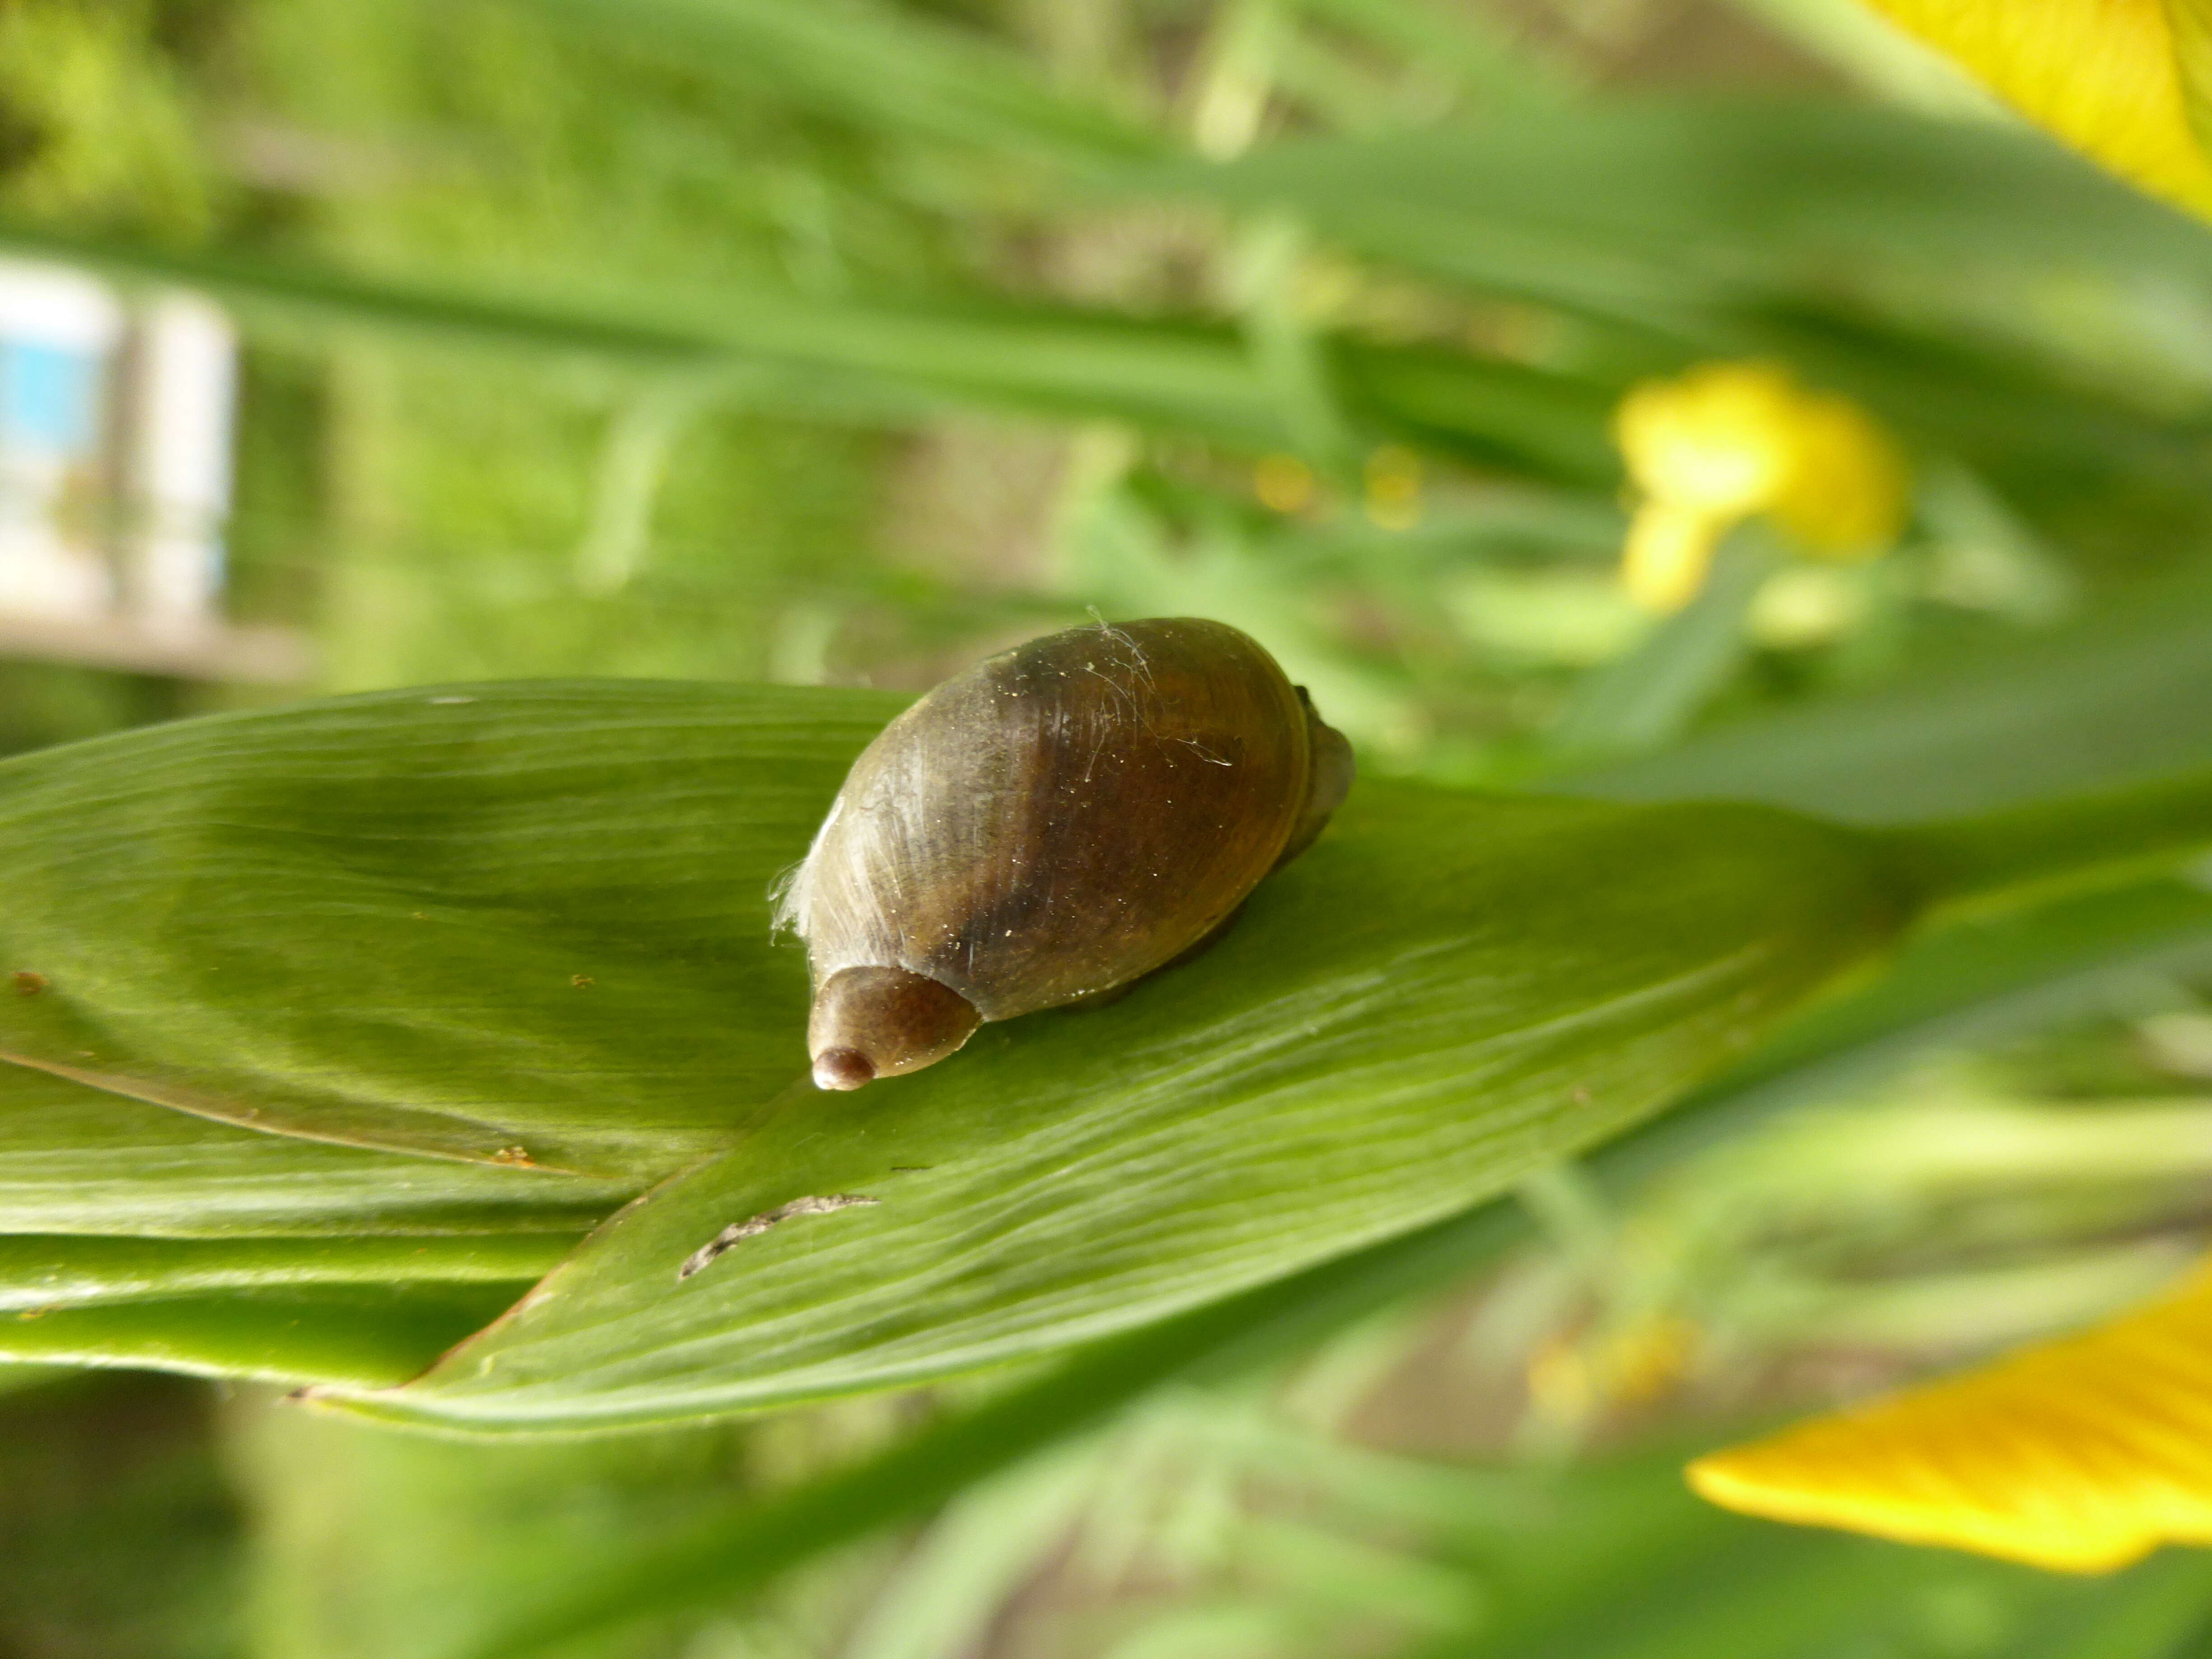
(1047, 827)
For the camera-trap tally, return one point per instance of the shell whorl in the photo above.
(1066, 816)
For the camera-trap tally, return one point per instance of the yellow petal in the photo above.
(2083, 1454)
(2104, 75)
(1846, 496)
(2191, 22)
(1669, 550)
(1714, 439)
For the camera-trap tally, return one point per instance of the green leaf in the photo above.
(883, 66)
(1994, 860)
(1700, 228)
(304, 1267)
(1694, 200)
(522, 925)
(880, 361)
(1447, 992)
(366, 1338)
(534, 917)
(368, 1545)
(1647, 696)
(775, 348)
(2120, 696)
(42, 1272)
(79, 1160)
(1982, 975)
(1967, 977)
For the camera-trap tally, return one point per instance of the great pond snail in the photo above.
(1047, 827)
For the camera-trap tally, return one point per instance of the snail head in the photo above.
(878, 1021)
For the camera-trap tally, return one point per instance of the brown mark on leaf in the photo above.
(582, 982)
(515, 1155)
(752, 1226)
(26, 984)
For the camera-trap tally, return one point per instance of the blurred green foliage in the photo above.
(836, 343)
(121, 1534)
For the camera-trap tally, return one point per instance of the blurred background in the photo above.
(350, 344)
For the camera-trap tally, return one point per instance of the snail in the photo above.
(1048, 827)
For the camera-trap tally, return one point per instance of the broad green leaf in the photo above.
(522, 925)
(1447, 992)
(466, 922)
(343, 1337)
(313, 1262)
(1964, 979)
(44, 1272)
(79, 1160)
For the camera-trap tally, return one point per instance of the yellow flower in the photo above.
(2127, 82)
(1284, 483)
(2083, 1454)
(1393, 488)
(2086, 1454)
(1726, 440)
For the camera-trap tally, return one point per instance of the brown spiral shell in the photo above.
(1047, 826)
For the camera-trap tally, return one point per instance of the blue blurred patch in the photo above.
(49, 397)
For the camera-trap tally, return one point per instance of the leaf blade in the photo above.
(1364, 1054)
(492, 924)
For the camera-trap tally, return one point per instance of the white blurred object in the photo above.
(59, 334)
(184, 374)
(115, 470)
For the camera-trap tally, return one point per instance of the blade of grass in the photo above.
(896, 72)
(2124, 694)
(1649, 695)
(1701, 199)
(2001, 857)
(881, 362)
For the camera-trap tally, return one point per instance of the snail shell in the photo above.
(1049, 825)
